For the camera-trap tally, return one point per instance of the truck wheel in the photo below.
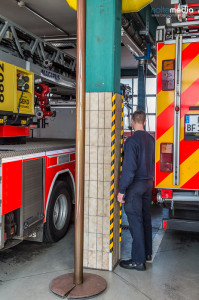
(58, 214)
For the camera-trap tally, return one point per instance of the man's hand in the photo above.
(120, 198)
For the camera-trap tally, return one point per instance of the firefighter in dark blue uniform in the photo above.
(135, 191)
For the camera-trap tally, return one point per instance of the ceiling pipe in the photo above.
(135, 37)
(22, 4)
(136, 18)
(132, 46)
(133, 34)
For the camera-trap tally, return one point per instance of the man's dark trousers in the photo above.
(137, 207)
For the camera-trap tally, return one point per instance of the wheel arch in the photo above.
(67, 177)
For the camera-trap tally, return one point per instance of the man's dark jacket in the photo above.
(139, 159)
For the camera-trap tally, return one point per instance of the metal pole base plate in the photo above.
(64, 286)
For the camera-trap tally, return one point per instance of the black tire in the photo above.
(58, 213)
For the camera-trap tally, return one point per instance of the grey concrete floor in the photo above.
(27, 269)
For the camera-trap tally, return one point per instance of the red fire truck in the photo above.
(177, 121)
(36, 174)
(37, 190)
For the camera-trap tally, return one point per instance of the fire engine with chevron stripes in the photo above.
(177, 122)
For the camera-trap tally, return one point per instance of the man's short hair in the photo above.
(139, 116)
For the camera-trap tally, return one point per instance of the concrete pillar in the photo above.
(102, 84)
(141, 86)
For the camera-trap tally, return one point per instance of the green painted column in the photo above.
(103, 64)
(103, 45)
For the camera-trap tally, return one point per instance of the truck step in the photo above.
(182, 225)
(11, 243)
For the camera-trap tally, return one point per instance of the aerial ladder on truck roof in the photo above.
(24, 49)
(51, 68)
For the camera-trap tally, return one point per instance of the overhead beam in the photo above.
(152, 20)
(133, 73)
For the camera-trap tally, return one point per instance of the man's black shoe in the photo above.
(130, 264)
(148, 257)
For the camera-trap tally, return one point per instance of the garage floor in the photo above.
(27, 269)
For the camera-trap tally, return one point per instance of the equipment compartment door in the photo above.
(189, 104)
(11, 186)
(32, 191)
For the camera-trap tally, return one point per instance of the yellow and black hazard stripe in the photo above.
(112, 173)
(120, 232)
